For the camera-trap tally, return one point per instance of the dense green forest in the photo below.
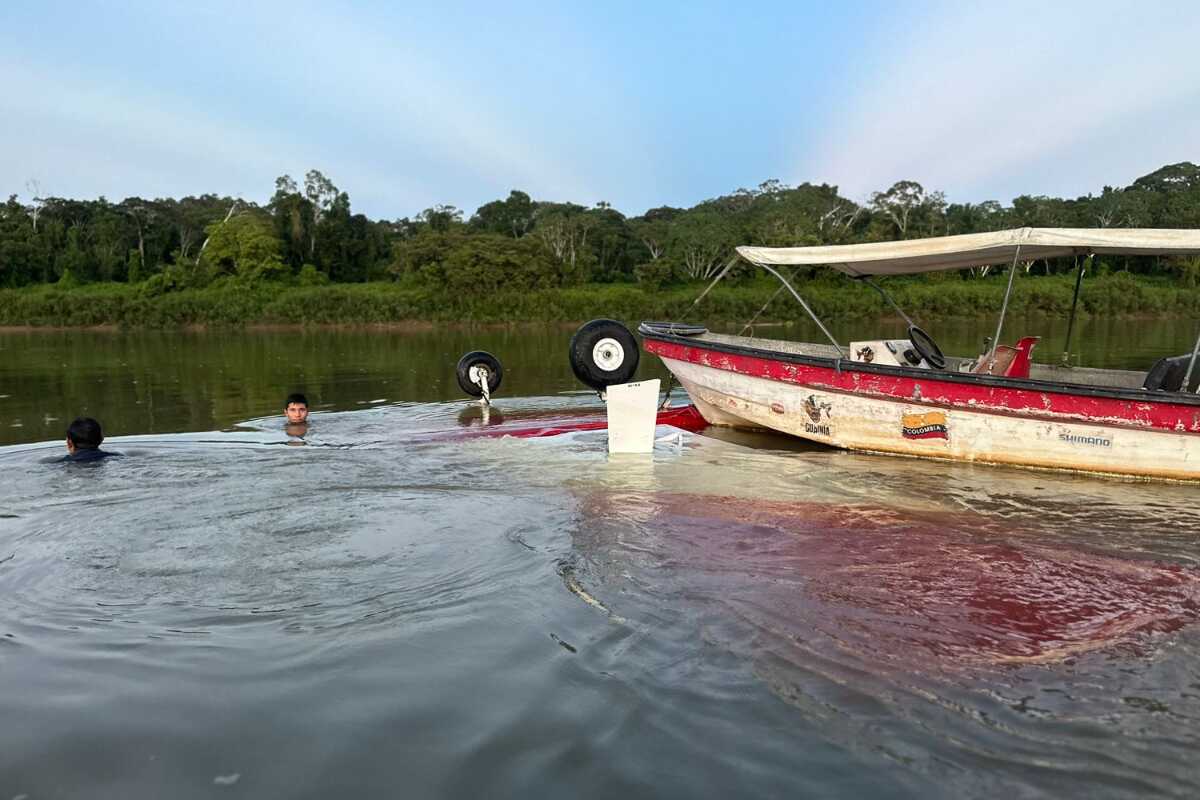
(253, 258)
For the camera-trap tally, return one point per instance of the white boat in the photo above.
(905, 397)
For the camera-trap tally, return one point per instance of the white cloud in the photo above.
(393, 86)
(83, 135)
(974, 96)
(387, 120)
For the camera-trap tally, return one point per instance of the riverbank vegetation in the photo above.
(234, 303)
(304, 257)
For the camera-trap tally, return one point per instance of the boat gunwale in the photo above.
(997, 381)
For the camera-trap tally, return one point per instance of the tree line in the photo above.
(307, 234)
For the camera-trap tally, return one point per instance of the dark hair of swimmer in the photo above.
(85, 433)
(296, 409)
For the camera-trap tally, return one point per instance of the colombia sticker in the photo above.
(931, 425)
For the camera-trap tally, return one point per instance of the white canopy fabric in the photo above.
(978, 249)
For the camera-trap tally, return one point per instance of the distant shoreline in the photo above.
(104, 307)
(398, 326)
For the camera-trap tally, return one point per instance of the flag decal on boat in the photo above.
(930, 425)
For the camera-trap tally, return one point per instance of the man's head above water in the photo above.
(84, 434)
(296, 408)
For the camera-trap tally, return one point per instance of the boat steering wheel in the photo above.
(926, 347)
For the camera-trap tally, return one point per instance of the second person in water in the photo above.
(295, 408)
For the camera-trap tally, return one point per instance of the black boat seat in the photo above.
(1167, 375)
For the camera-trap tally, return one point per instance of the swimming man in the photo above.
(83, 441)
(296, 411)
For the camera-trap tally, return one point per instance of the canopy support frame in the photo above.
(749, 325)
(728, 266)
(1012, 273)
(1082, 268)
(1187, 378)
(807, 308)
(888, 299)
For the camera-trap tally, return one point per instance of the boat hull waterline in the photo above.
(844, 407)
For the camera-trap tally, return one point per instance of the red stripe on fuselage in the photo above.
(557, 423)
(1051, 403)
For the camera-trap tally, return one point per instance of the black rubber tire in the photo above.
(478, 358)
(926, 347)
(582, 354)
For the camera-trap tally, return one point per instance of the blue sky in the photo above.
(636, 104)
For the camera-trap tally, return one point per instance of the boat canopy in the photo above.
(978, 249)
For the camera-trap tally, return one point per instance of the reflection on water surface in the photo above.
(402, 603)
(169, 381)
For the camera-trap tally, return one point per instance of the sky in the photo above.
(635, 104)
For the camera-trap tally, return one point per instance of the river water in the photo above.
(396, 605)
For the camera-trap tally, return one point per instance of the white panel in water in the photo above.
(632, 411)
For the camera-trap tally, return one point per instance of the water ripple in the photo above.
(497, 615)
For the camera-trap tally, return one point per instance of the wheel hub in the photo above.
(608, 354)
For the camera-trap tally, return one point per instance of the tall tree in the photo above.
(612, 244)
(512, 216)
(563, 228)
(245, 245)
(321, 195)
(36, 201)
(911, 210)
(441, 218)
(294, 222)
(702, 241)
